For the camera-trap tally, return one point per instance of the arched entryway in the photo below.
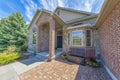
(45, 39)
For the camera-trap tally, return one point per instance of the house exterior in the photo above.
(108, 26)
(65, 28)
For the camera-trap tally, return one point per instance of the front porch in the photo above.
(48, 36)
(45, 54)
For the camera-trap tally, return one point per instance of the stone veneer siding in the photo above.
(46, 18)
(44, 38)
(109, 36)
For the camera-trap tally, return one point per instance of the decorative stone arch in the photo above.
(43, 19)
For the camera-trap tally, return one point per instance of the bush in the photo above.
(13, 30)
(23, 47)
(7, 58)
(63, 56)
(11, 48)
(2, 49)
(93, 63)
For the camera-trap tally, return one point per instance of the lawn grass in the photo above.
(7, 58)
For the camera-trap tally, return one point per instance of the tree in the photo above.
(13, 31)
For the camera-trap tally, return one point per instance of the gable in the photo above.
(66, 15)
(44, 17)
(34, 18)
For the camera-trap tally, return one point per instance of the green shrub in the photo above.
(18, 49)
(93, 63)
(63, 56)
(7, 58)
(23, 48)
(10, 49)
(2, 49)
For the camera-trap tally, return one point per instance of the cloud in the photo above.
(88, 5)
(84, 5)
(30, 8)
(52, 4)
(97, 6)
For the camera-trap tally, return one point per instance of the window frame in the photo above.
(91, 38)
(84, 38)
(34, 34)
(81, 39)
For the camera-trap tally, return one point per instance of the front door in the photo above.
(59, 41)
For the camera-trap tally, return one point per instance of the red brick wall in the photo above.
(109, 36)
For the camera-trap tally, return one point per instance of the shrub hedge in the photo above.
(7, 58)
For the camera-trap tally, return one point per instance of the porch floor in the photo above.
(63, 70)
(45, 54)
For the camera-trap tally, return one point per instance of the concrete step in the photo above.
(30, 51)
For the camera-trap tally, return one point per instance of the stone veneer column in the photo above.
(38, 39)
(65, 40)
(52, 39)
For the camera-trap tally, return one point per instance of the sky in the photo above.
(28, 7)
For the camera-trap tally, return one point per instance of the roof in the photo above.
(38, 13)
(80, 26)
(82, 19)
(73, 10)
(108, 6)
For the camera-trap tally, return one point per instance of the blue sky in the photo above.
(28, 7)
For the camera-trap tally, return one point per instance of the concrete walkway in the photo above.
(13, 70)
(8, 73)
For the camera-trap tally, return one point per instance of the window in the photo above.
(77, 38)
(88, 38)
(34, 36)
(68, 38)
